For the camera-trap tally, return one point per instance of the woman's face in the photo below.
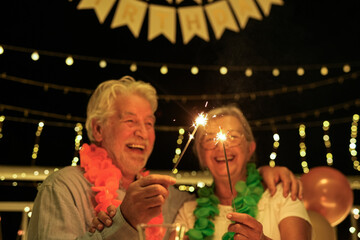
(238, 149)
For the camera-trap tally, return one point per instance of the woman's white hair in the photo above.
(101, 101)
(229, 110)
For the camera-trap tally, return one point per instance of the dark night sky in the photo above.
(307, 34)
(299, 33)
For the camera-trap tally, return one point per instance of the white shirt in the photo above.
(271, 210)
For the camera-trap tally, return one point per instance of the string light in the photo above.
(324, 71)
(326, 138)
(234, 96)
(276, 145)
(352, 145)
(2, 119)
(223, 70)
(35, 56)
(300, 71)
(37, 141)
(133, 67)
(69, 61)
(184, 188)
(179, 141)
(302, 146)
(276, 72)
(164, 69)
(354, 222)
(78, 140)
(194, 70)
(248, 72)
(346, 68)
(102, 64)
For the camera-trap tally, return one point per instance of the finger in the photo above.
(97, 224)
(294, 188)
(157, 179)
(154, 190)
(242, 231)
(104, 218)
(155, 201)
(243, 219)
(154, 211)
(285, 179)
(237, 228)
(92, 229)
(272, 187)
(301, 190)
(240, 236)
(111, 210)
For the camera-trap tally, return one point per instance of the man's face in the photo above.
(129, 135)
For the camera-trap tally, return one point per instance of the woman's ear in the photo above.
(252, 147)
(96, 130)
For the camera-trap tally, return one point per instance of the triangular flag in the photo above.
(265, 5)
(244, 9)
(192, 22)
(162, 20)
(130, 13)
(101, 7)
(220, 18)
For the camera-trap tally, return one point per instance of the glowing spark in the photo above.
(200, 120)
(221, 136)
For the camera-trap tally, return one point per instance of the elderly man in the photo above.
(120, 125)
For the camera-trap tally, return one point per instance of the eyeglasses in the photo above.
(233, 139)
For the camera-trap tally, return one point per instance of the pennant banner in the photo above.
(220, 18)
(265, 5)
(244, 9)
(130, 13)
(101, 8)
(222, 15)
(193, 23)
(162, 21)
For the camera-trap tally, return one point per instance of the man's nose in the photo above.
(141, 131)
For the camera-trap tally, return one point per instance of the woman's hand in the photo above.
(245, 227)
(274, 175)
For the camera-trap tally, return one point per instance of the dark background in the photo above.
(307, 34)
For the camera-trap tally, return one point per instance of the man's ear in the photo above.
(96, 130)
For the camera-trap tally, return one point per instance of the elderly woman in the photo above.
(244, 211)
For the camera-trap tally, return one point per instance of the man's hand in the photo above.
(103, 219)
(144, 198)
(274, 175)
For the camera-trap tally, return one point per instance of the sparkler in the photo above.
(200, 120)
(220, 136)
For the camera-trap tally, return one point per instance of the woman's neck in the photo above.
(223, 192)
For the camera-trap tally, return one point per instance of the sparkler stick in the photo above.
(222, 138)
(200, 120)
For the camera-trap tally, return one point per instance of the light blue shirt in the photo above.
(64, 209)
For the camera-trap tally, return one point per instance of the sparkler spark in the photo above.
(200, 120)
